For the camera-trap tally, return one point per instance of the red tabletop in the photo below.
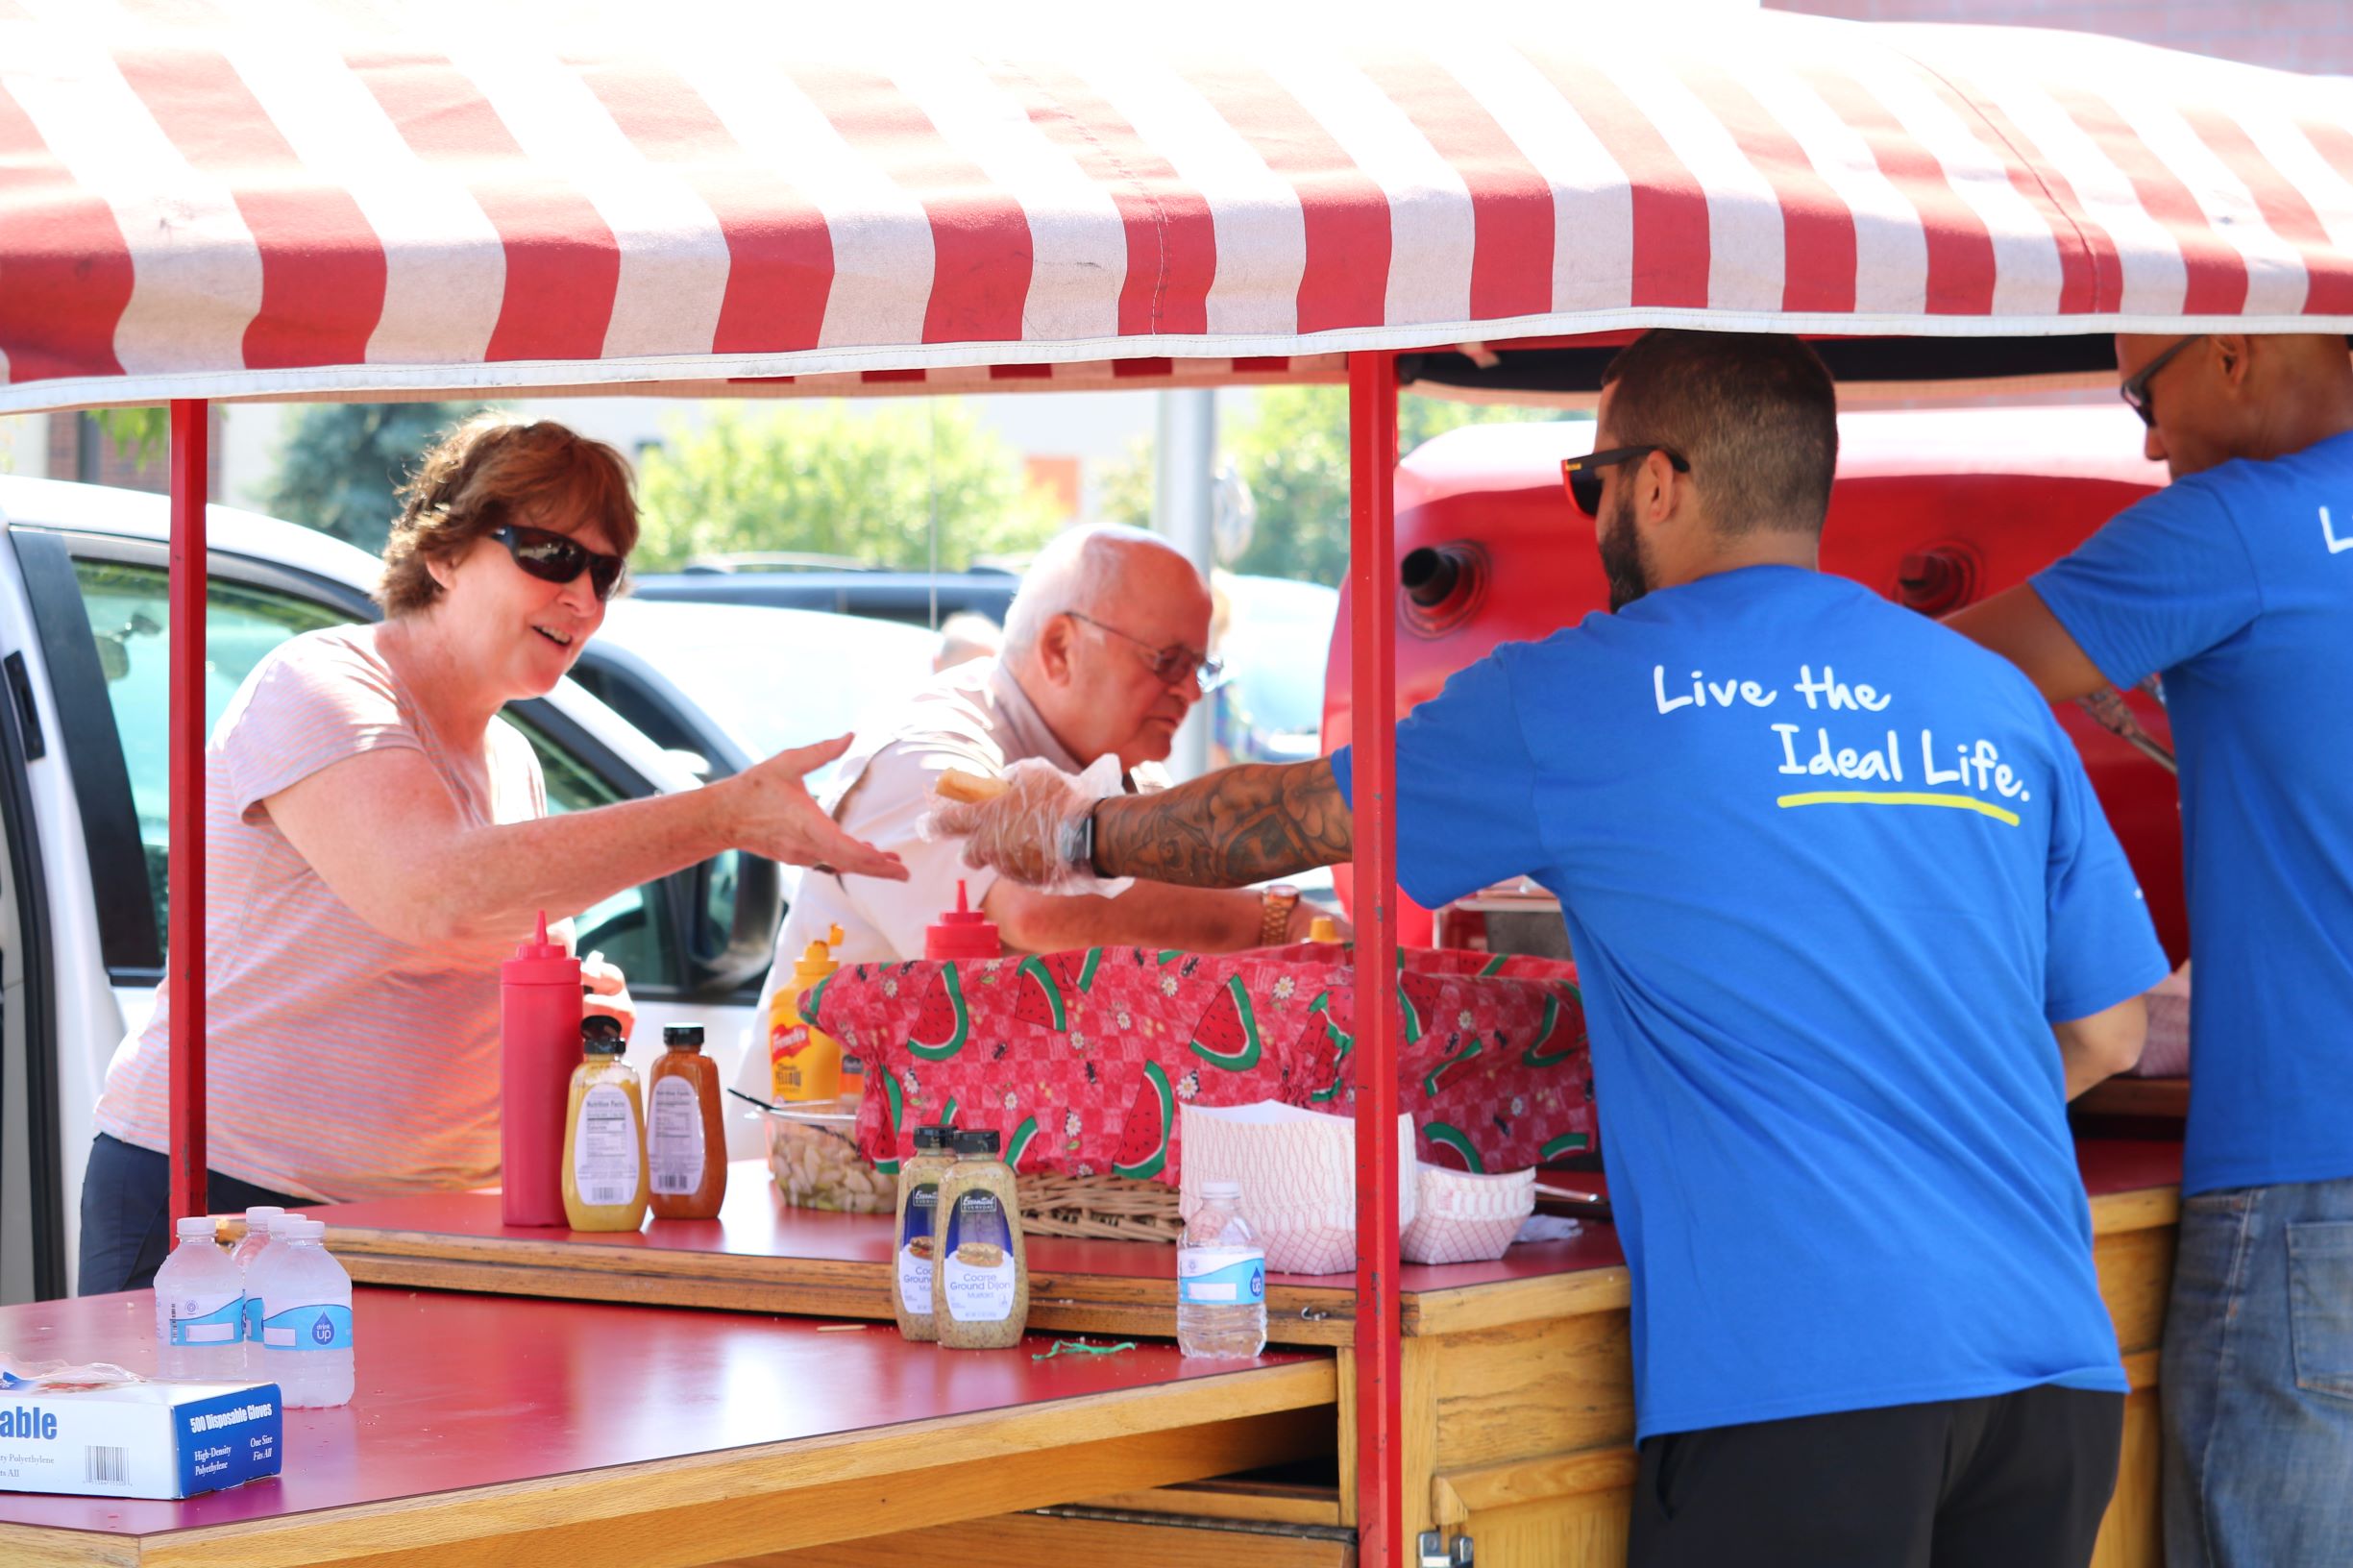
(2127, 1164)
(457, 1391)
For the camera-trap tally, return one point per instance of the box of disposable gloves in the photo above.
(102, 1432)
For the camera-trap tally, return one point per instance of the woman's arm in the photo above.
(382, 831)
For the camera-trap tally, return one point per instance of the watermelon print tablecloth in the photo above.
(1080, 1058)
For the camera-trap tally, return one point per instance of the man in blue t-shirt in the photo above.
(2235, 583)
(1851, 927)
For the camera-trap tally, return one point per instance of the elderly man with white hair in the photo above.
(1105, 652)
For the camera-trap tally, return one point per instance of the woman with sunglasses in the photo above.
(378, 839)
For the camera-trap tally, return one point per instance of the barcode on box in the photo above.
(107, 1466)
(604, 1194)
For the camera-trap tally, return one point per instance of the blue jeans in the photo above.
(126, 1213)
(2257, 1383)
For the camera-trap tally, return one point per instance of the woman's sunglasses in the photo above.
(555, 557)
(1583, 474)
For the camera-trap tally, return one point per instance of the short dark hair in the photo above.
(493, 469)
(1755, 413)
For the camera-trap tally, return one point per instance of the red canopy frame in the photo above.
(1942, 185)
(1372, 549)
(1378, 1348)
(191, 469)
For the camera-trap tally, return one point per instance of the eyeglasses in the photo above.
(1173, 665)
(556, 557)
(2135, 390)
(1583, 474)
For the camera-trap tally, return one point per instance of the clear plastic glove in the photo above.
(1033, 832)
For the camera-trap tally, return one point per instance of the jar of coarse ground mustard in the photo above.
(980, 1278)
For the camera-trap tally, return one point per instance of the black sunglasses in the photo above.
(1583, 474)
(2135, 390)
(555, 557)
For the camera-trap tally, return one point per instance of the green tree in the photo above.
(140, 433)
(1290, 446)
(827, 479)
(340, 463)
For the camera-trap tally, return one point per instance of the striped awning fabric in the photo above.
(228, 197)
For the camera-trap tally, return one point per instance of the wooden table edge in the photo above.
(1505, 1303)
(616, 1492)
(1075, 1303)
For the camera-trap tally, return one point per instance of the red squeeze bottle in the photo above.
(962, 932)
(539, 1044)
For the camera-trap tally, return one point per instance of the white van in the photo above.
(84, 812)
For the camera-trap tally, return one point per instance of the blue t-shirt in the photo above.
(2237, 586)
(1829, 870)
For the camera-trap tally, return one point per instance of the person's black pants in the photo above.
(2017, 1481)
(126, 1213)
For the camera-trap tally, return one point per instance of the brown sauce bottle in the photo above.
(686, 1141)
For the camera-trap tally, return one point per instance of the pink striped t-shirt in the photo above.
(340, 1064)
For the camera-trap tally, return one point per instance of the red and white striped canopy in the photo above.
(227, 197)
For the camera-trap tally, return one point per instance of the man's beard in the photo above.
(1623, 558)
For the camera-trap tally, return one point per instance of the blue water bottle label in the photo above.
(253, 1319)
(313, 1327)
(1221, 1277)
(207, 1320)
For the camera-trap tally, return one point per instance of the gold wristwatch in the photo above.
(1275, 906)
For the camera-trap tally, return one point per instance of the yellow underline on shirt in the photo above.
(1897, 798)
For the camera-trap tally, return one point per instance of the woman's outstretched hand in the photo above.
(771, 812)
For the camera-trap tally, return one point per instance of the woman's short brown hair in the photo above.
(494, 469)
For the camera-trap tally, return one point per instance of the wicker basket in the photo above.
(1099, 1208)
(817, 1164)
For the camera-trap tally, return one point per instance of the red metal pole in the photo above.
(184, 939)
(1372, 550)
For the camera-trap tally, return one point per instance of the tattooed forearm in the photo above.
(1229, 828)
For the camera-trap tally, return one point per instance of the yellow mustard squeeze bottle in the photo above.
(605, 1185)
(919, 1239)
(804, 1064)
(980, 1280)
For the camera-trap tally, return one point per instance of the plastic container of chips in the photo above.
(813, 1155)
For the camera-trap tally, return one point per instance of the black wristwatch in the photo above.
(1078, 846)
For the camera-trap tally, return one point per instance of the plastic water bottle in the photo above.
(258, 1223)
(306, 1316)
(1221, 1279)
(199, 1306)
